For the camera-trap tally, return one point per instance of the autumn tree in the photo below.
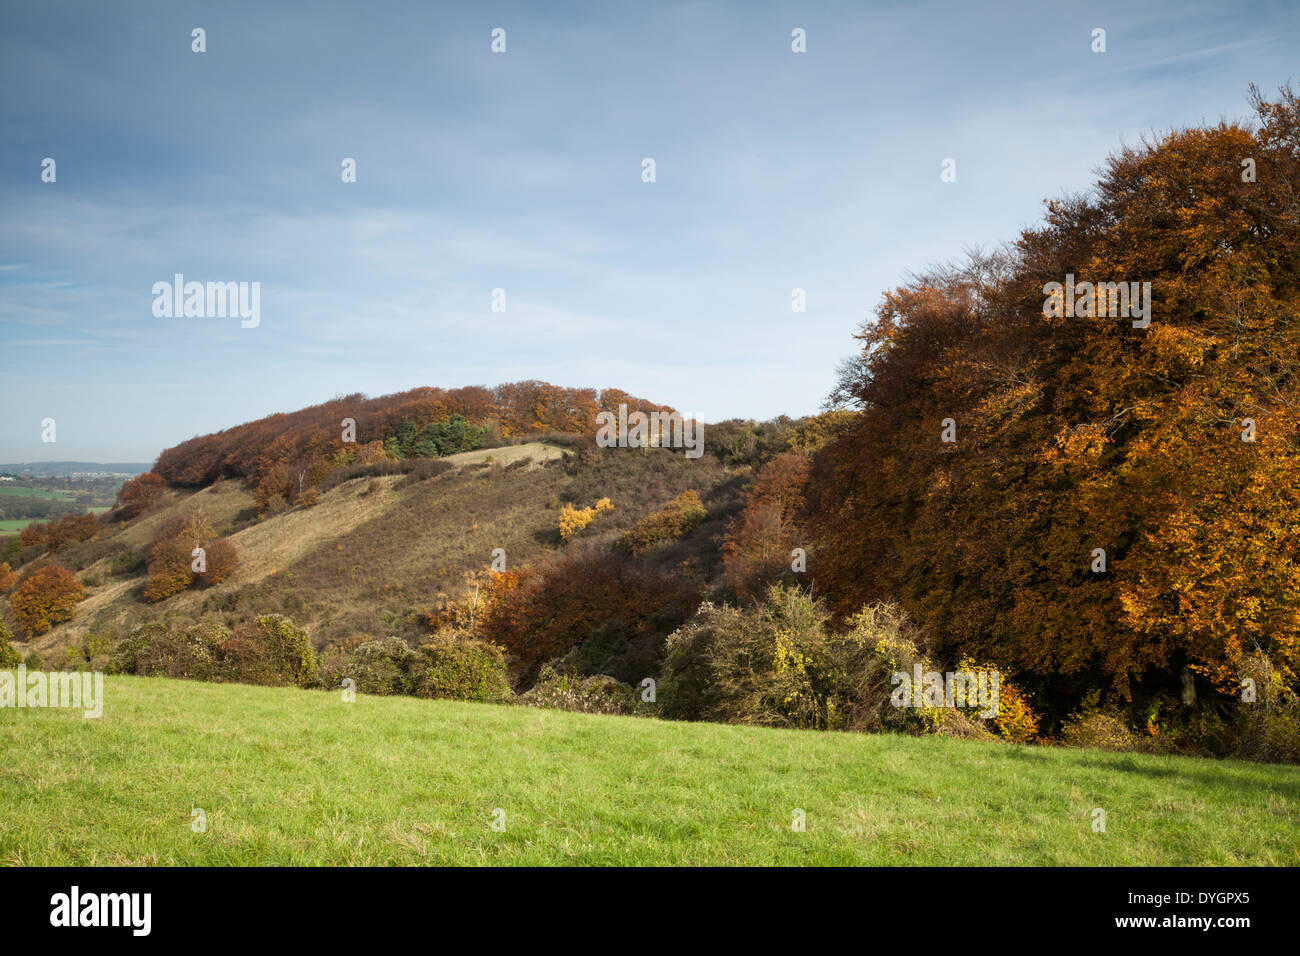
(758, 550)
(544, 610)
(1092, 501)
(137, 494)
(186, 551)
(47, 597)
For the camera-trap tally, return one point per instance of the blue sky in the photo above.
(522, 171)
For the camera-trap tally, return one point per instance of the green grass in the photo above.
(22, 491)
(14, 525)
(291, 777)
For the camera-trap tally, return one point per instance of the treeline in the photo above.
(314, 438)
(1103, 509)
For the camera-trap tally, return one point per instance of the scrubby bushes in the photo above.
(1098, 730)
(1268, 727)
(573, 521)
(47, 597)
(422, 469)
(450, 666)
(381, 667)
(679, 517)
(560, 689)
(782, 664)
(195, 651)
(770, 665)
(458, 668)
(9, 658)
(268, 650)
(289, 649)
(127, 561)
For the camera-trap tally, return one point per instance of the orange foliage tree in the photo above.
(136, 495)
(1172, 446)
(172, 561)
(541, 611)
(47, 597)
(57, 532)
(758, 551)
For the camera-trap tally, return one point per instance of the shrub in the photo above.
(7, 577)
(780, 663)
(193, 652)
(9, 657)
(423, 469)
(679, 517)
(562, 690)
(881, 642)
(1268, 728)
(573, 521)
(289, 650)
(379, 667)
(171, 558)
(48, 597)
(307, 498)
(127, 561)
(54, 534)
(98, 644)
(455, 667)
(1099, 731)
(73, 659)
(769, 665)
(270, 650)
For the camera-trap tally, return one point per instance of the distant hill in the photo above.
(55, 469)
(384, 545)
(311, 437)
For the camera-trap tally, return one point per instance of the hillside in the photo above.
(291, 777)
(379, 552)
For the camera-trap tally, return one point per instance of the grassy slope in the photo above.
(298, 777)
(343, 567)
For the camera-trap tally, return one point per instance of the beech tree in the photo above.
(1086, 499)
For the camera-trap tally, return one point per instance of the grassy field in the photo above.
(21, 491)
(14, 525)
(287, 776)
